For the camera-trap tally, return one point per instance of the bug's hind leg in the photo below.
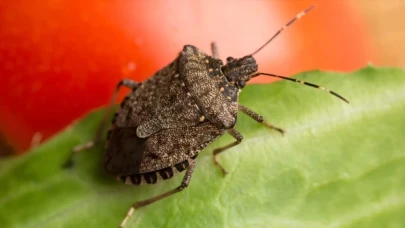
(125, 82)
(259, 118)
(238, 136)
(185, 182)
(214, 50)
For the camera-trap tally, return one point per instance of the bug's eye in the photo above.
(229, 59)
(242, 84)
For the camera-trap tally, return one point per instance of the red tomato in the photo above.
(59, 59)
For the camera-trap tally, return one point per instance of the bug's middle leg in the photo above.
(238, 136)
(184, 184)
(259, 118)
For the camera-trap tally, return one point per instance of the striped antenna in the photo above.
(302, 82)
(284, 27)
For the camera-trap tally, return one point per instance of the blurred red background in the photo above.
(60, 59)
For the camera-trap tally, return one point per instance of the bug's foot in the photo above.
(129, 214)
(70, 161)
(223, 170)
(282, 132)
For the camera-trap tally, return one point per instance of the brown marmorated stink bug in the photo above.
(167, 120)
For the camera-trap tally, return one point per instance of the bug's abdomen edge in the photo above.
(156, 176)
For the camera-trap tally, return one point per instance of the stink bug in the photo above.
(167, 120)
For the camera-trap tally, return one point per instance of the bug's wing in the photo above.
(160, 150)
(124, 151)
(174, 108)
(161, 102)
(208, 86)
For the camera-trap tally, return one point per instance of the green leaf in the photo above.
(339, 165)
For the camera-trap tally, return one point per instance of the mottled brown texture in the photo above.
(179, 111)
(176, 113)
(165, 122)
(204, 86)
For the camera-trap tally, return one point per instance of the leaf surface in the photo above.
(338, 165)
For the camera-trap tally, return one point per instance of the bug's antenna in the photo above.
(298, 16)
(302, 82)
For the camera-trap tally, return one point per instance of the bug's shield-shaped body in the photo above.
(170, 118)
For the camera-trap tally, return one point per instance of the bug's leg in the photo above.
(125, 82)
(214, 50)
(238, 136)
(259, 118)
(184, 183)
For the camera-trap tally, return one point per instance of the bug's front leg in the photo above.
(259, 118)
(125, 82)
(184, 184)
(238, 136)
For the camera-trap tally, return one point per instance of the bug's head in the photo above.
(238, 71)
